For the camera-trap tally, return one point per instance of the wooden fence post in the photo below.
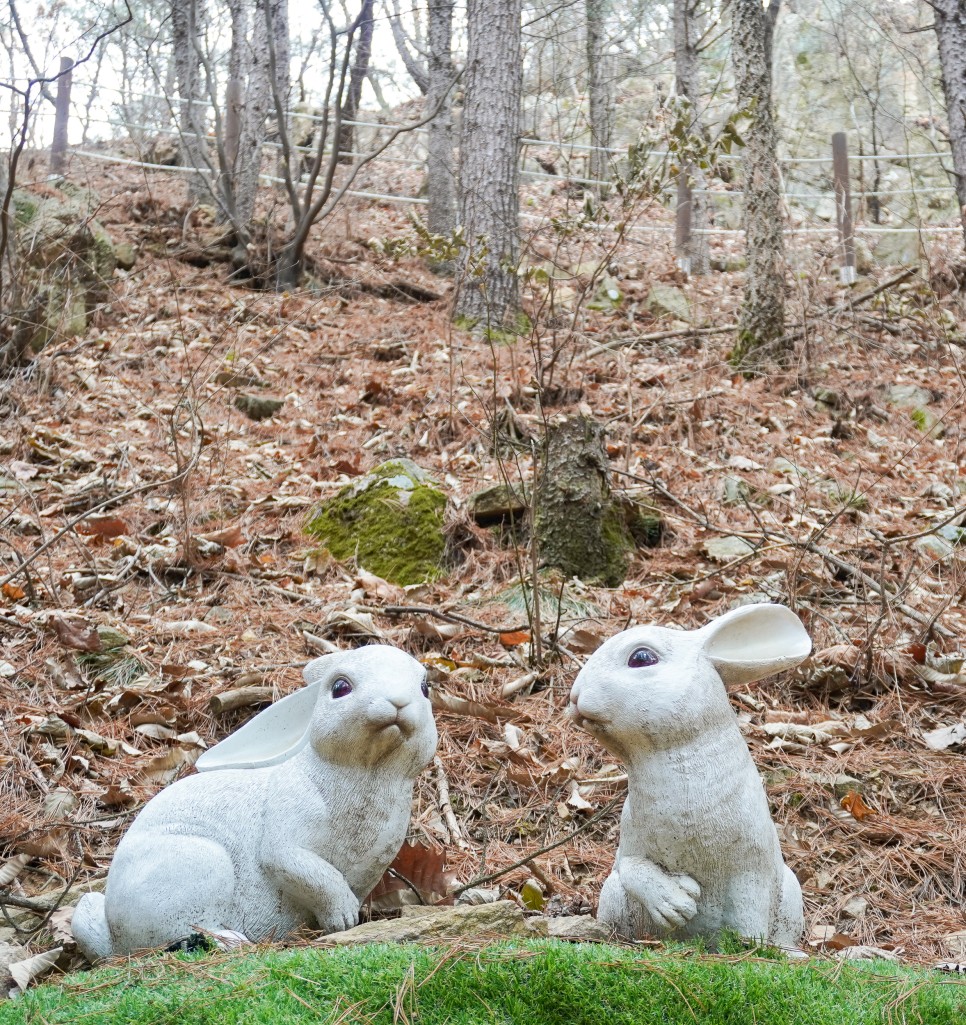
(58, 147)
(682, 222)
(233, 105)
(843, 207)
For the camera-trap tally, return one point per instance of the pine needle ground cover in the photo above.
(534, 982)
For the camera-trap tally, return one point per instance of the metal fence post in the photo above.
(58, 147)
(843, 207)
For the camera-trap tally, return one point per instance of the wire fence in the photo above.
(892, 204)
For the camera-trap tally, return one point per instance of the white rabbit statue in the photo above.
(292, 820)
(698, 850)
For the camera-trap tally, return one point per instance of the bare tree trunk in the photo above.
(771, 20)
(598, 99)
(950, 24)
(440, 167)
(762, 319)
(186, 20)
(693, 250)
(277, 11)
(234, 104)
(357, 75)
(255, 107)
(416, 71)
(488, 190)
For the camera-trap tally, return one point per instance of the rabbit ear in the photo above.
(273, 736)
(755, 641)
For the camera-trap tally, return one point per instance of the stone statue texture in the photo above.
(698, 850)
(292, 822)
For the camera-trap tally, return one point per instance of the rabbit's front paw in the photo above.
(338, 915)
(669, 899)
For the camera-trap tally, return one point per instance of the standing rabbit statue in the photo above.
(291, 821)
(698, 850)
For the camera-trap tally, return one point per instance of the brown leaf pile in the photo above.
(192, 577)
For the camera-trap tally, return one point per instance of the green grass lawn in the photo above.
(531, 983)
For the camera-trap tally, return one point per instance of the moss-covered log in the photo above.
(579, 528)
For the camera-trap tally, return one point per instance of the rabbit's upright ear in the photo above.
(273, 736)
(755, 641)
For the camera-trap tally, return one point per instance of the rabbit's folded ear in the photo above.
(755, 641)
(273, 736)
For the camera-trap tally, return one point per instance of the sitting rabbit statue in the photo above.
(698, 850)
(292, 820)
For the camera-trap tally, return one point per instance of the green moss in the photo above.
(24, 209)
(618, 544)
(390, 522)
(645, 522)
(537, 982)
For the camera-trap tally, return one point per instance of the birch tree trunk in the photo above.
(277, 11)
(186, 19)
(692, 245)
(255, 107)
(598, 99)
(489, 201)
(762, 319)
(950, 24)
(440, 169)
(357, 74)
(234, 102)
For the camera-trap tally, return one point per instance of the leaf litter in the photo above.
(193, 554)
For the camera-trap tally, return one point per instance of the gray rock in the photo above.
(669, 301)
(429, 925)
(10, 953)
(124, 252)
(67, 261)
(258, 407)
(579, 927)
(908, 396)
(934, 547)
(725, 549)
(898, 249)
(495, 504)
(856, 907)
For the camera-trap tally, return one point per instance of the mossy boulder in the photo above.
(389, 521)
(65, 262)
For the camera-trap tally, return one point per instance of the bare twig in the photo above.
(446, 617)
(80, 517)
(543, 850)
(445, 807)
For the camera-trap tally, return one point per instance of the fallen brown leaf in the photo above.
(78, 634)
(103, 526)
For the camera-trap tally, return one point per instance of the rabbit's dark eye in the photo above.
(642, 657)
(424, 687)
(341, 688)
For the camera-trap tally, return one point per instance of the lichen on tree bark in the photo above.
(489, 201)
(762, 319)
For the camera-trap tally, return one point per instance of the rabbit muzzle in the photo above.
(584, 717)
(386, 716)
